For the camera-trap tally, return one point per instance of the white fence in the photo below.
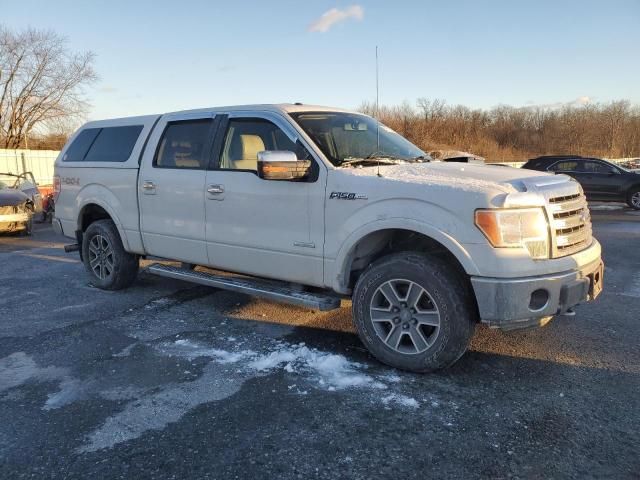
(39, 162)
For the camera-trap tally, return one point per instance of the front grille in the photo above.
(564, 198)
(570, 224)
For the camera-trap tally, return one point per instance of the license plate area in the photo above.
(596, 280)
(574, 293)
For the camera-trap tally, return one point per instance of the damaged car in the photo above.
(19, 200)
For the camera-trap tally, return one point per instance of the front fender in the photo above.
(338, 278)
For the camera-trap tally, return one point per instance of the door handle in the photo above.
(215, 189)
(149, 187)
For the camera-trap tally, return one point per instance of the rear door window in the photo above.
(185, 144)
(113, 144)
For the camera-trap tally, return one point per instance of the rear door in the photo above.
(263, 227)
(171, 187)
(600, 179)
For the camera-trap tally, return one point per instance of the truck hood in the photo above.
(467, 177)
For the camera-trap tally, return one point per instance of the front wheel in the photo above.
(633, 198)
(413, 312)
(111, 267)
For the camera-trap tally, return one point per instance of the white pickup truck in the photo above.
(309, 205)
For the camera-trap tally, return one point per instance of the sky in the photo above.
(159, 56)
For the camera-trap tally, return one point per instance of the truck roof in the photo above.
(273, 107)
(277, 107)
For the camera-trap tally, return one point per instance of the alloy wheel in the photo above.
(101, 257)
(404, 316)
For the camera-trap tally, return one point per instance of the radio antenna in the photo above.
(377, 113)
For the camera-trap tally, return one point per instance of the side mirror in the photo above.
(282, 165)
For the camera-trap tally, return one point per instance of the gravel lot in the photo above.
(171, 380)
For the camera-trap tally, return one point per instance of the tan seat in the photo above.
(185, 162)
(251, 145)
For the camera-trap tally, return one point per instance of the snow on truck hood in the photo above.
(463, 176)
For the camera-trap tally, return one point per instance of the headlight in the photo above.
(515, 228)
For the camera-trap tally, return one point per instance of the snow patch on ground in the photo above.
(606, 207)
(71, 390)
(400, 400)
(157, 410)
(158, 302)
(71, 307)
(327, 370)
(19, 368)
(222, 377)
(331, 371)
(192, 350)
(125, 352)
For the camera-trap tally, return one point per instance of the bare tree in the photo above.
(41, 81)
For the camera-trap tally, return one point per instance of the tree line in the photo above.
(507, 133)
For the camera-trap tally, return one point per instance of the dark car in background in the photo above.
(600, 180)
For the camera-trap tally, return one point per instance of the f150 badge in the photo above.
(347, 196)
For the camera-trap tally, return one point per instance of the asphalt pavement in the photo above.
(172, 380)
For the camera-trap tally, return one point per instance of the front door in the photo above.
(171, 188)
(262, 227)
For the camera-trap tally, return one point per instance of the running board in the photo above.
(250, 286)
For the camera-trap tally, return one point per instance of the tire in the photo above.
(418, 347)
(104, 257)
(633, 198)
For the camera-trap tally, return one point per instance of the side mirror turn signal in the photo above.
(282, 165)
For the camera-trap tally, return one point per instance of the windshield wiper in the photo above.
(374, 159)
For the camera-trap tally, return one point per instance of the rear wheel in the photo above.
(633, 198)
(413, 312)
(110, 266)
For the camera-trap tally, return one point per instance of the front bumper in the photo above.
(14, 222)
(523, 302)
(14, 218)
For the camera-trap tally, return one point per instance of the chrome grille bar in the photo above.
(570, 224)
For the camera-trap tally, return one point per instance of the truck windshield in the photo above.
(349, 138)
